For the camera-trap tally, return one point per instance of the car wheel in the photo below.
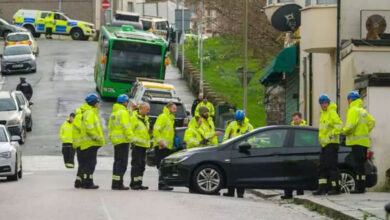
(20, 173)
(348, 181)
(207, 179)
(77, 34)
(15, 176)
(23, 136)
(5, 33)
(30, 124)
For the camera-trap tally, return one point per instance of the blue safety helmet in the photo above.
(122, 98)
(353, 95)
(324, 98)
(92, 99)
(240, 115)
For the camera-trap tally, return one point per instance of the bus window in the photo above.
(131, 60)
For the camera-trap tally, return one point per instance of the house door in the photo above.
(292, 94)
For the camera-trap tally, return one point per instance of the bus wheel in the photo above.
(77, 34)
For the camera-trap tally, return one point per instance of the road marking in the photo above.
(105, 209)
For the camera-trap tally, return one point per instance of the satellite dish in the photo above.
(287, 18)
(376, 26)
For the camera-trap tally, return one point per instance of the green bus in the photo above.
(125, 54)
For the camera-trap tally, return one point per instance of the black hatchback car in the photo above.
(272, 157)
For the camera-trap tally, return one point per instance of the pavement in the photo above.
(368, 206)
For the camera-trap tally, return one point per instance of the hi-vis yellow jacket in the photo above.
(330, 126)
(208, 105)
(78, 131)
(358, 125)
(207, 130)
(94, 136)
(303, 123)
(234, 129)
(140, 128)
(66, 132)
(164, 129)
(192, 135)
(119, 125)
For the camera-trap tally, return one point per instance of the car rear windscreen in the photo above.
(156, 109)
(17, 37)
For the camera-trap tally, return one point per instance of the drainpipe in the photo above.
(338, 56)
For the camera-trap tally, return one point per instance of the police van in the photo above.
(36, 21)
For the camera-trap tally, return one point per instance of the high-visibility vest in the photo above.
(192, 135)
(234, 129)
(164, 129)
(93, 129)
(330, 126)
(119, 125)
(208, 105)
(66, 132)
(358, 125)
(140, 128)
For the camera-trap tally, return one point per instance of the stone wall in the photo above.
(275, 104)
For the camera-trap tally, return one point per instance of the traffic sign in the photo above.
(105, 4)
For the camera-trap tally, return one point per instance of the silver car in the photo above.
(10, 156)
(18, 58)
(13, 115)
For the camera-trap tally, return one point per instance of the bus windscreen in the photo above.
(130, 60)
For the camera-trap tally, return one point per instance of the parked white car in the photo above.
(10, 156)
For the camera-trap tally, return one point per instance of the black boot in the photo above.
(335, 190)
(164, 187)
(321, 190)
(77, 182)
(138, 186)
(88, 184)
(118, 185)
(229, 193)
(300, 192)
(288, 194)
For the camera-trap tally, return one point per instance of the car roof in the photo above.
(5, 94)
(175, 100)
(161, 86)
(151, 18)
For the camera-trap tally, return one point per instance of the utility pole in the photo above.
(183, 37)
(245, 66)
(177, 37)
(201, 47)
(338, 56)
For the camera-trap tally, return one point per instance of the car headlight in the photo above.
(6, 154)
(176, 160)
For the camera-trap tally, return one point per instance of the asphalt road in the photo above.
(63, 79)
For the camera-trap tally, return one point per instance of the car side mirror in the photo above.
(1, 55)
(15, 138)
(188, 113)
(244, 147)
(31, 103)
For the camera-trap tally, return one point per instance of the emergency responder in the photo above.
(67, 141)
(207, 129)
(357, 130)
(78, 134)
(330, 128)
(25, 88)
(236, 128)
(120, 135)
(163, 136)
(297, 120)
(93, 140)
(208, 105)
(192, 135)
(195, 103)
(139, 123)
(49, 23)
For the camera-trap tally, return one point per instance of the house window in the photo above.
(270, 2)
(285, 1)
(130, 7)
(320, 2)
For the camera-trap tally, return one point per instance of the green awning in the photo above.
(284, 62)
